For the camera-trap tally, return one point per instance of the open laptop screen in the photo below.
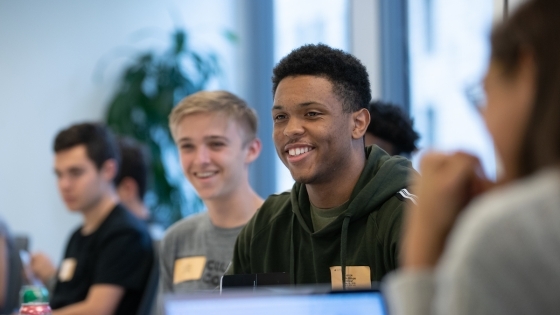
(355, 303)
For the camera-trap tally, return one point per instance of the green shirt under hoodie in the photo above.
(280, 237)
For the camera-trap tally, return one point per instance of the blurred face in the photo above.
(509, 103)
(80, 183)
(312, 135)
(213, 154)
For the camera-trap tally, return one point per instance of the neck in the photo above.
(337, 190)
(234, 210)
(95, 215)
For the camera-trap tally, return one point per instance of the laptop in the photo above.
(277, 300)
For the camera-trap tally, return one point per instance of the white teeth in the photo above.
(205, 174)
(298, 151)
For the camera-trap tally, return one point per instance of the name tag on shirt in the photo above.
(67, 268)
(188, 268)
(357, 277)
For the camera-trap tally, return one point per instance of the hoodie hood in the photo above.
(382, 177)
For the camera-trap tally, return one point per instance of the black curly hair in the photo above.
(346, 73)
(391, 124)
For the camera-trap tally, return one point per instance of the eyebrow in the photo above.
(280, 107)
(212, 137)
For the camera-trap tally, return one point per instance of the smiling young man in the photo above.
(346, 206)
(215, 133)
(108, 259)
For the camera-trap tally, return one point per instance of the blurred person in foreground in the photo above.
(11, 272)
(471, 247)
(342, 218)
(108, 259)
(216, 136)
(132, 180)
(391, 129)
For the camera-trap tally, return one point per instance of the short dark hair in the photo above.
(98, 139)
(134, 163)
(391, 124)
(345, 72)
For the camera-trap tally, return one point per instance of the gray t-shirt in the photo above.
(195, 254)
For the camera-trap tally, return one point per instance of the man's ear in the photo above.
(109, 170)
(127, 189)
(253, 150)
(360, 120)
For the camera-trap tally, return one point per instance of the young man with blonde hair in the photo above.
(215, 133)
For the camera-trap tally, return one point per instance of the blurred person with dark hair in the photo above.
(132, 178)
(474, 247)
(108, 259)
(11, 271)
(391, 129)
(340, 223)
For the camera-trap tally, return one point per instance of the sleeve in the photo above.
(125, 260)
(167, 261)
(389, 234)
(409, 292)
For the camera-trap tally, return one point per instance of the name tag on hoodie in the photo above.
(357, 277)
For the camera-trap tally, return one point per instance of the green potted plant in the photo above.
(149, 88)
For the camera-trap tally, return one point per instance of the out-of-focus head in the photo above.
(391, 129)
(215, 133)
(523, 88)
(86, 163)
(131, 181)
(348, 76)
(319, 112)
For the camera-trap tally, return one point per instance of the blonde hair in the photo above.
(216, 102)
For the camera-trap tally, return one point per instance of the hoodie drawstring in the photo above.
(343, 248)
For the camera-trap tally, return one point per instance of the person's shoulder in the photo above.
(187, 226)
(276, 207)
(121, 221)
(537, 193)
(510, 218)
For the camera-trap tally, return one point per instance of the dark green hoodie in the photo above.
(280, 237)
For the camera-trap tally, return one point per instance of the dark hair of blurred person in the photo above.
(391, 129)
(132, 177)
(499, 255)
(98, 141)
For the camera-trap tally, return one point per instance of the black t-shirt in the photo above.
(119, 252)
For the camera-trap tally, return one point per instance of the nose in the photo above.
(294, 128)
(202, 155)
(63, 183)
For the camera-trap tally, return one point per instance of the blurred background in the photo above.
(63, 62)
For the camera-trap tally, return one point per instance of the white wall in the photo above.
(49, 51)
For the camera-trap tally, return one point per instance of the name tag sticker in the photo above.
(67, 268)
(357, 277)
(188, 268)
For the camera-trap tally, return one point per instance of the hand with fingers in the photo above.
(448, 182)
